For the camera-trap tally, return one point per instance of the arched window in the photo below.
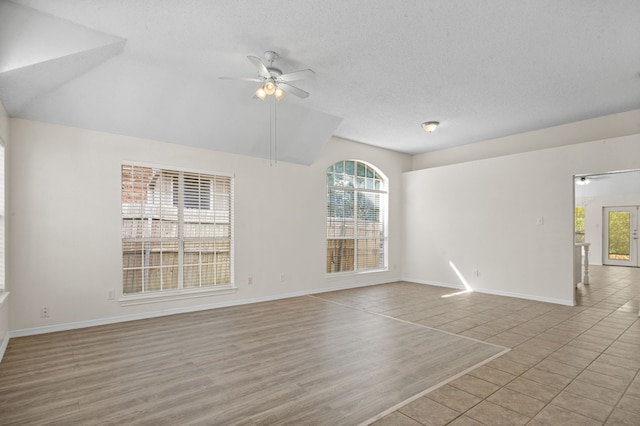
(356, 217)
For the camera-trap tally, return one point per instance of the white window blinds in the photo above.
(176, 229)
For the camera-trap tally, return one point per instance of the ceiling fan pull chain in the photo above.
(270, 133)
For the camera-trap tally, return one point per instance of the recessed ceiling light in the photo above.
(430, 126)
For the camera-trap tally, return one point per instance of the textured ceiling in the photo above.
(483, 69)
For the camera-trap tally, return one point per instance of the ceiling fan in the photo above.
(274, 82)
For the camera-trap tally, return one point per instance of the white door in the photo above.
(620, 229)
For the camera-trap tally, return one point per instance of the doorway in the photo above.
(620, 236)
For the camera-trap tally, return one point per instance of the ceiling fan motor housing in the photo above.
(275, 72)
(271, 56)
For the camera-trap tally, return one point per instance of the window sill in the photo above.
(166, 296)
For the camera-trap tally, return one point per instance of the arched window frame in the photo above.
(357, 210)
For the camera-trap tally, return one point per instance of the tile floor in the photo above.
(568, 365)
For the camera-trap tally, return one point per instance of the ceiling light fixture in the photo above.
(269, 88)
(279, 94)
(584, 180)
(261, 94)
(430, 126)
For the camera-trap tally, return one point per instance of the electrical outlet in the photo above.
(476, 272)
(44, 312)
(111, 294)
(250, 281)
(283, 277)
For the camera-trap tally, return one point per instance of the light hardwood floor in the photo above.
(568, 365)
(298, 361)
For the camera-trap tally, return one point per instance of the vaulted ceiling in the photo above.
(150, 68)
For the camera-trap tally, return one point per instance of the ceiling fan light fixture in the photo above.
(271, 78)
(261, 93)
(269, 87)
(430, 126)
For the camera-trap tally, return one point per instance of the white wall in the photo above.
(65, 218)
(495, 205)
(64, 214)
(4, 301)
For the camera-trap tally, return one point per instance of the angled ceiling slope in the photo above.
(40, 52)
(56, 71)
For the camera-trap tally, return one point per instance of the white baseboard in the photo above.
(528, 297)
(181, 310)
(496, 292)
(430, 282)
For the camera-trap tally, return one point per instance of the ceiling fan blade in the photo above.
(293, 90)
(297, 75)
(262, 69)
(256, 79)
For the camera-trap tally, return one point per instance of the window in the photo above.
(176, 229)
(356, 217)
